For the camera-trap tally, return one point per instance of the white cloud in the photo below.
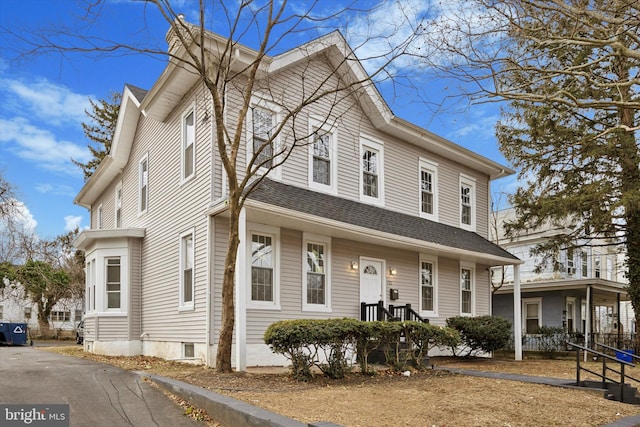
(56, 189)
(41, 146)
(23, 218)
(72, 222)
(54, 103)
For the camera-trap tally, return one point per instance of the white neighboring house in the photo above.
(587, 294)
(375, 210)
(16, 307)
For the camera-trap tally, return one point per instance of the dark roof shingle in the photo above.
(373, 217)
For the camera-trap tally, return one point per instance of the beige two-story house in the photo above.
(372, 210)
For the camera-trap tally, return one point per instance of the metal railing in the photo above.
(605, 369)
(398, 313)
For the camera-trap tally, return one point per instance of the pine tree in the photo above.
(100, 129)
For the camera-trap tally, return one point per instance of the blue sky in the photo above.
(44, 98)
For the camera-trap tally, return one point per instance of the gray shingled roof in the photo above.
(375, 218)
(137, 92)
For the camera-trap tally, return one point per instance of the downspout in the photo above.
(619, 325)
(208, 343)
(587, 332)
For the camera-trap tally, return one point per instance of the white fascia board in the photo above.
(383, 238)
(87, 237)
(113, 163)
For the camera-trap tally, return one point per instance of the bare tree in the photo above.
(569, 73)
(230, 71)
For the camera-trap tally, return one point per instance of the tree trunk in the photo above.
(225, 339)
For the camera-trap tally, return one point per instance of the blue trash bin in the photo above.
(13, 333)
(622, 355)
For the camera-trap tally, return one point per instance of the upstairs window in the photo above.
(99, 218)
(467, 203)
(596, 266)
(322, 159)
(118, 205)
(143, 184)
(371, 172)
(323, 156)
(188, 144)
(263, 123)
(428, 190)
(585, 263)
(571, 265)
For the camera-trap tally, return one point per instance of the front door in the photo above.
(371, 275)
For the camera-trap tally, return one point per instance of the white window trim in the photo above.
(432, 168)
(326, 242)
(573, 315)
(181, 304)
(142, 160)
(115, 205)
(468, 266)
(470, 182)
(257, 101)
(526, 301)
(318, 124)
(434, 280)
(274, 232)
(99, 217)
(101, 282)
(378, 146)
(183, 134)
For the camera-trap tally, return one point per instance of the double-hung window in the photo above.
(263, 122)
(596, 266)
(186, 269)
(571, 266)
(428, 285)
(263, 253)
(467, 203)
(118, 205)
(316, 278)
(188, 144)
(143, 184)
(531, 315)
(322, 156)
(114, 282)
(428, 190)
(466, 289)
(585, 263)
(371, 172)
(99, 217)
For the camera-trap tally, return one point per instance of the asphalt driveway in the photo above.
(97, 394)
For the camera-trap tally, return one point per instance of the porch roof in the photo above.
(392, 226)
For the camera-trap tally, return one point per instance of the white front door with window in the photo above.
(371, 280)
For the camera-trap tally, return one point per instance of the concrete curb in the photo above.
(227, 410)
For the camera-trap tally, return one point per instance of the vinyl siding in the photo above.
(135, 291)
(112, 328)
(173, 208)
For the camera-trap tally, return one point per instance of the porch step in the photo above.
(630, 393)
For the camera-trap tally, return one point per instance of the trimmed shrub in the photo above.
(551, 339)
(480, 334)
(331, 344)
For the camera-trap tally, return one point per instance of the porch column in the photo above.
(241, 295)
(587, 322)
(517, 312)
(619, 326)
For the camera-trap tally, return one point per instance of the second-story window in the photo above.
(467, 203)
(571, 268)
(322, 158)
(428, 190)
(584, 263)
(188, 144)
(371, 173)
(99, 217)
(596, 266)
(118, 205)
(263, 123)
(143, 184)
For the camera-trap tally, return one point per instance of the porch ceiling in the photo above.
(603, 291)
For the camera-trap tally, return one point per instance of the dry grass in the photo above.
(432, 398)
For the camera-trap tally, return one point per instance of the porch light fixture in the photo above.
(393, 271)
(354, 265)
